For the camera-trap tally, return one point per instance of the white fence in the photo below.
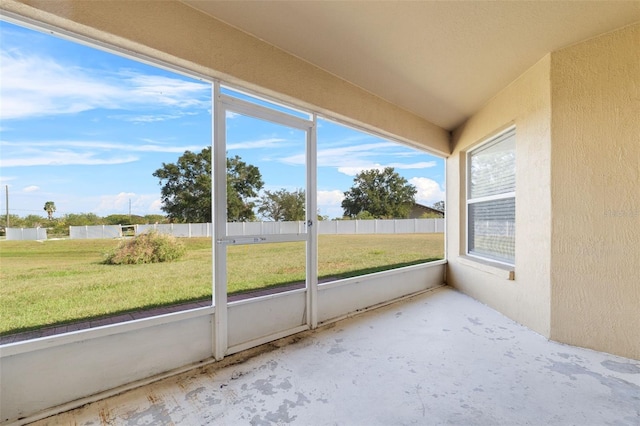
(265, 228)
(26, 234)
(381, 226)
(178, 229)
(95, 231)
(325, 227)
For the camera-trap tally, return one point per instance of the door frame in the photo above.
(221, 104)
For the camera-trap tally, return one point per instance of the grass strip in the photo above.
(62, 281)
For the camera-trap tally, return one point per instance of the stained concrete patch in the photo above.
(213, 400)
(336, 349)
(621, 367)
(620, 389)
(194, 393)
(282, 415)
(270, 365)
(259, 421)
(156, 414)
(237, 374)
(474, 321)
(264, 386)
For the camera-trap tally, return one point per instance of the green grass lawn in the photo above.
(61, 281)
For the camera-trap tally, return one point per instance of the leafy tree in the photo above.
(365, 215)
(430, 215)
(282, 205)
(439, 206)
(124, 219)
(33, 221)
(186, 188)
(155, 218)
(243, 183)
(82, 219)
(383, 194)
(50, 208)
(15, 221)
(59, 228)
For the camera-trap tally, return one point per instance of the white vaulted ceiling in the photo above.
(441, 60)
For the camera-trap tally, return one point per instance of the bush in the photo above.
(150, 247)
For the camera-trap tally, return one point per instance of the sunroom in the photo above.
(533, 106)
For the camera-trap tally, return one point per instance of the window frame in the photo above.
(501, 136)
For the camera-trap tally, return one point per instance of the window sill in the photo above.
(503, 271)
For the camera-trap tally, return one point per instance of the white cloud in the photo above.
(167, 90)
(341, 156)
(4, 180)
(345, 155)
(116, 203)
(419, 165)
(148, 118)
(150, 146)
(65, 158)
(63, 153)
(330, 203)
(31, 188)
(35, 86)
(295, 159)
(155, 207)
(354, 170)
(262, 143)
(141, 204)
(328, 198)
(352, 159)
(429, 190)
(164, 148)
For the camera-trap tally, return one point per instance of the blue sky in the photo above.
(86, 129)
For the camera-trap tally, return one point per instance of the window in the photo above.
(374, 240)
(491, 199)
(85, 131)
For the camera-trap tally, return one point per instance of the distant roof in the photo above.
(431, 209)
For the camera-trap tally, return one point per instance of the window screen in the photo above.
(491, 201)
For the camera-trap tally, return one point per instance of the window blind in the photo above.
(491, 199)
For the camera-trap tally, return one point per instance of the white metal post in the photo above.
(312, 231)
(219, 221)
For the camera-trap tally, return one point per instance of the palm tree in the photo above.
(50, 208)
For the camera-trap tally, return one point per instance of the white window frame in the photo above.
(495, 139)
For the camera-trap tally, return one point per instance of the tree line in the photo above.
(186, 193)
(60, 225)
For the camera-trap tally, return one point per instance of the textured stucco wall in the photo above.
(595, 267)
(179, 35)
(525, 103)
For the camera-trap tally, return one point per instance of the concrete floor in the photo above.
(439, 358)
